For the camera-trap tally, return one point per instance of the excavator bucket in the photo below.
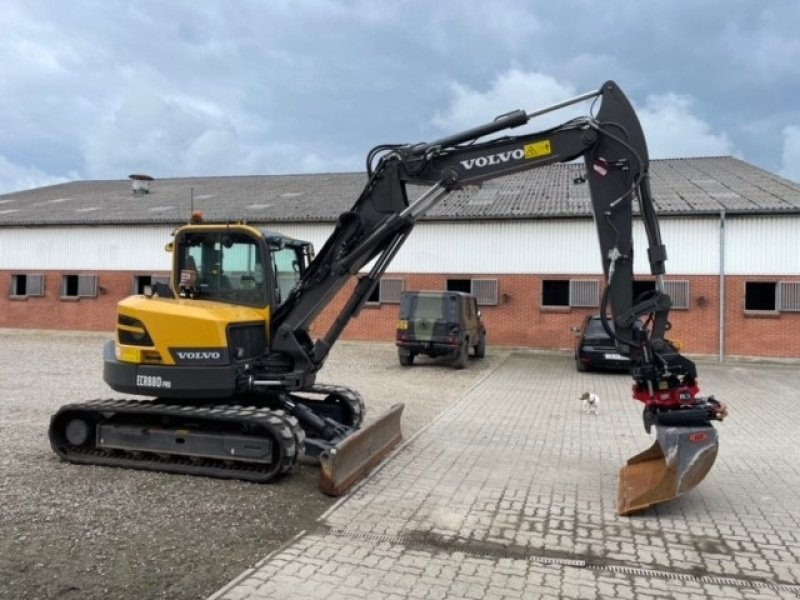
(356, 455)
(679, 459)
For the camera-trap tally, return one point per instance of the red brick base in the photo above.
(517, 320)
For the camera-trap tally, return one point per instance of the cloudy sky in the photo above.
(101, 89)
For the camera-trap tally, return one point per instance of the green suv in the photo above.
(439, 324)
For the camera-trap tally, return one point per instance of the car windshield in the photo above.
(595, 329)
(421, 306)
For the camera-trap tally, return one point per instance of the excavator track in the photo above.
(224, 441)
(343, 404)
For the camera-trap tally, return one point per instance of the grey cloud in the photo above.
(186, 88)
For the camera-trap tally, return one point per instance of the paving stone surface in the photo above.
(511, 493)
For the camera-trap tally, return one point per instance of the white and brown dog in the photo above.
(591, 403)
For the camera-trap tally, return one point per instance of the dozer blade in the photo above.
(356, 455)
(680, 458)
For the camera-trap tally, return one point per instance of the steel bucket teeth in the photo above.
(679, 459)
(354, 457)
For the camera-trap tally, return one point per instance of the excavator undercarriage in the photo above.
(257, 440)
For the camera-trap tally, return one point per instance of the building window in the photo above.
(584, 293)
(485, 291)
(389, 290)
(142, 281)
(643, 289)
(576, 293)
(678, 292)
(78, 286)
(772, 296)
(760, 295)
(386, 292)
(555, 292)
(459, 285)
(789, 296)
(26, 285)
(375, 295)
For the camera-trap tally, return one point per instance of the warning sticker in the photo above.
(538, 149)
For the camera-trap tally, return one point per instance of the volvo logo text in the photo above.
(493, 159)
(205, 355)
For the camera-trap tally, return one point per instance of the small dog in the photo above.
(591, 403)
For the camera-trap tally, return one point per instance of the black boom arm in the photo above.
(614, 151)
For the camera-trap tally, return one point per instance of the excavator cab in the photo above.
(238, 267)
(204, 337)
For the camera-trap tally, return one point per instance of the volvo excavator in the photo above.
(226, 355)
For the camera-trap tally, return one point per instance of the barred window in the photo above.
(584, 293)
(789, 296)
(78, 286)
(24, 285)
(390, 290)
(485, 291)
(678, 291)
(387, 291)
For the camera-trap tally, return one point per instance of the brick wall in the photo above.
(517, 320)
(757, 333)
(520, 320)
(53, 312)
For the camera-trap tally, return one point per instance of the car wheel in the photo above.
(480, 348)
(461, 358)
(579, 366)
(406, 358)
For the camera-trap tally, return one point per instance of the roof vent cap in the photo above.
(141, 183)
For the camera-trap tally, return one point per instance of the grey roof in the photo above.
(688, 186)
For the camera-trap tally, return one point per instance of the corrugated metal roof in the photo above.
(688, 186)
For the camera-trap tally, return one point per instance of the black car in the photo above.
(595, 348)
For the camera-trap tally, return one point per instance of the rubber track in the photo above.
(284, 428)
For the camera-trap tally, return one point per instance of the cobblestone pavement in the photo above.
(511, 493)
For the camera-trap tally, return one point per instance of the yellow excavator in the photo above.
(226, 355)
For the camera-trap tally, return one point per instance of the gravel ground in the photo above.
(71, 531)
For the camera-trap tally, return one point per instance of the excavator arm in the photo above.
(613, 148)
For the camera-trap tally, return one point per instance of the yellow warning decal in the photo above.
(538, 149)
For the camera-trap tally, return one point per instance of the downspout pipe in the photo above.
(722, 286)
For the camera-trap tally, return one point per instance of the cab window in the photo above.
(226, 267)
(286, 266)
